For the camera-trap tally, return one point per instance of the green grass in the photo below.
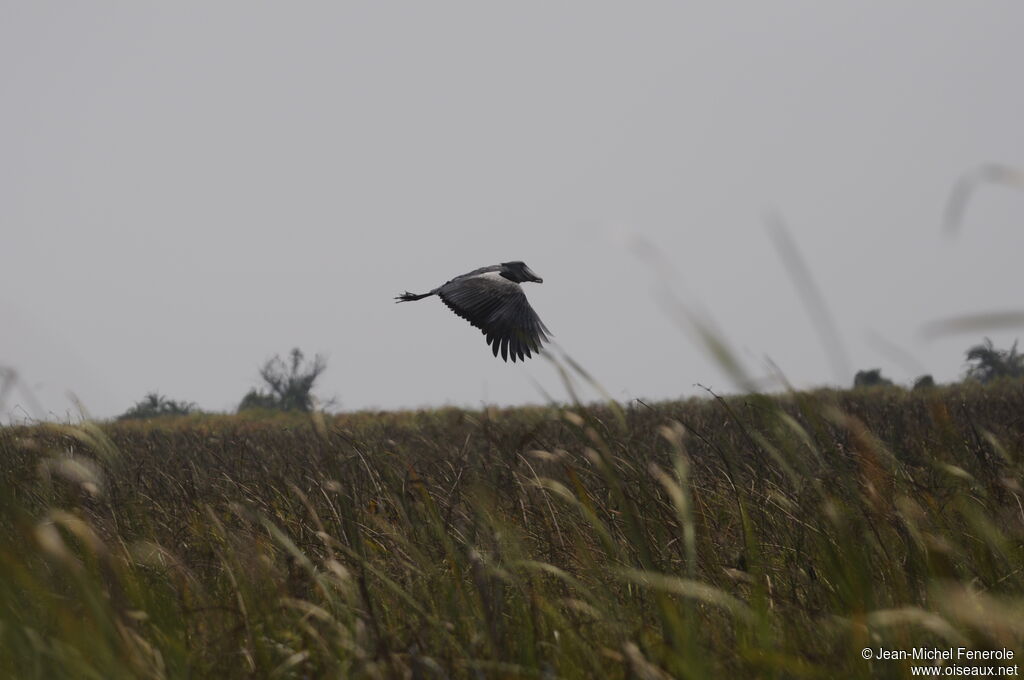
(745, 537)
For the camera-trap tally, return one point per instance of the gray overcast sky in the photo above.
(187, 189)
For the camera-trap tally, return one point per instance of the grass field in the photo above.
(743, 537)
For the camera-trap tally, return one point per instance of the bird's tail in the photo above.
(409, 297)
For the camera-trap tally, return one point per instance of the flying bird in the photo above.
(491, 299)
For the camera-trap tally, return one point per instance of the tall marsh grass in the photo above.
(743, 537)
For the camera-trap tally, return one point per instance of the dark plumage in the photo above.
(491, 299)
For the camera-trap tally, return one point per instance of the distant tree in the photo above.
(870, 378)
(289, 386)
(155, 405)
(989, 363)
(257, 399)
(924, 382)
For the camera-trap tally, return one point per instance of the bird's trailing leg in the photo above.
(409, 297)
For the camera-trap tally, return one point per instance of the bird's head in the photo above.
(518, 271)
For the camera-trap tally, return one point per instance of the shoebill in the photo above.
(491, 299)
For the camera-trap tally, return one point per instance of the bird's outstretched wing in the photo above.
(499, 308)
